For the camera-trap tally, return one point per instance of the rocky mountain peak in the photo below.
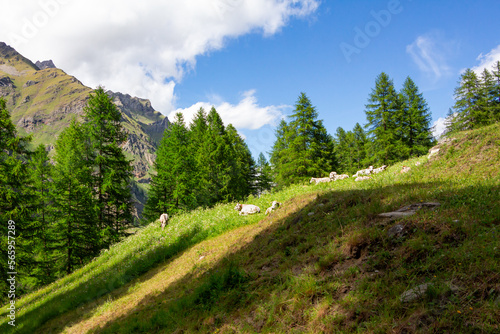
(45, 64)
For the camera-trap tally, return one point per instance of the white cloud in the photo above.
(430, 53)
(487, 61)
(140, 48)
(247, 114)
(439, 127)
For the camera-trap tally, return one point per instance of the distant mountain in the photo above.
(42, 65)
(43, 100)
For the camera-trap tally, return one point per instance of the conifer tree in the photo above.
(468, 111)
(199, 150)
(307, 148)
(263, 178)
(360, 143)
(112, 171)
(243, 166)
(278, 157)
(495, 94)
(77, 237)
(171, 187)
(219, 160)
(15, 199)
(382, 112)
(43, 217)
(413, 122)
(344, 150)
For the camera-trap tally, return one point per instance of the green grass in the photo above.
(335, 270)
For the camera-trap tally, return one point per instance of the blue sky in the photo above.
(251, 59)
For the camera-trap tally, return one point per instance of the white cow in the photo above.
(317, 180)
(362, 178)
(366, 171)
(163, 220)
(274, 206)
(247, 209)
(380, 169)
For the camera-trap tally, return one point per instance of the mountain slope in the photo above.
(324, 262)
(44, 101)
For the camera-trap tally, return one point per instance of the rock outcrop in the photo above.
(42, 65)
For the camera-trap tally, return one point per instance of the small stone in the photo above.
(396, 230)
(310, 214)
(415, 293)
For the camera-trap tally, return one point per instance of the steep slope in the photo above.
(324, 262)
(44, 101)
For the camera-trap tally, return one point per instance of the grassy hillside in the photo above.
(324, 262)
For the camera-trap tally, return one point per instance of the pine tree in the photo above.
(381, 113)
(43, 215)
(199, 150)
(468, 111)
(306, 148)
(15, 200)
(263, 177)
(219, 160)
(112, 171)
(243, 166)
(278, 157)
(414, 122)
(495, 108)
(360, 143)
(171, 187)
(344, 150)
(77, 236)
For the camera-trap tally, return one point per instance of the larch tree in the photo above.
(307, 149)
(382, 112)
(112, 171)
(414, 122)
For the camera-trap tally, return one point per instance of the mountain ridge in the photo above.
(43, 100)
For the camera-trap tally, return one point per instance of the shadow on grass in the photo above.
(102, 285)
(269, 266)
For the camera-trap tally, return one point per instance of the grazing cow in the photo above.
(366, 171)
(320, 180)
(380, 169)
(247, 209)
(274, 206)
(163, 220)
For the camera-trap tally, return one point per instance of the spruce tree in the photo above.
(43, 216)
(77, 235)
(172, 187)
(199, 150)
(263, 176)
(495, 108)
(15, 199)
(112, 172)
(360, 143)
(414, 122)
(382, 112)
(219, 159)
(306, 149)
(243, 166)
(469, 113)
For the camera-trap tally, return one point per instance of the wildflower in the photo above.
(459, 312)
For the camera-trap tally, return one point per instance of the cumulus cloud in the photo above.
(140, 48)
(439, 127)
(247, 114)
(487, 61)
(430, 53)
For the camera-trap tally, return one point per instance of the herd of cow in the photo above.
(248, 209)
